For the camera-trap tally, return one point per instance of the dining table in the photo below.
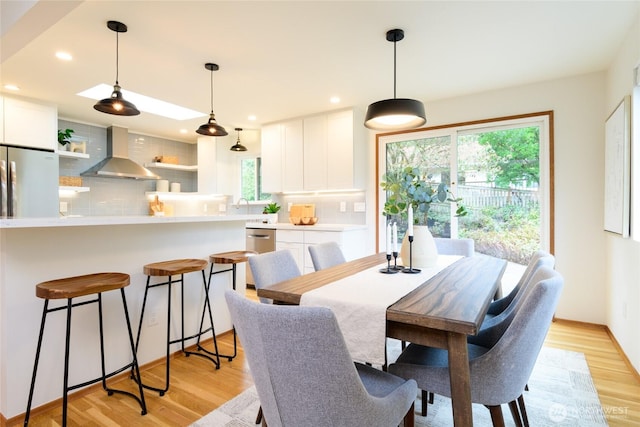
(446, 304)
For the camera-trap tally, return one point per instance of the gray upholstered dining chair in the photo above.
(498, 374)
(447, 246)
(273, 267)
(538, 259)
(325, 255)
(304, 374)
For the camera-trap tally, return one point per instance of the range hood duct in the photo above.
(117, 164)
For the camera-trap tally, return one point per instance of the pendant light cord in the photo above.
(117, 56)
(394, 67)
(211, 91)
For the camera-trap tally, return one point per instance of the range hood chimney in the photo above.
(117, 163)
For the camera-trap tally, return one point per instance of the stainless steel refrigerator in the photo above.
(28, 183)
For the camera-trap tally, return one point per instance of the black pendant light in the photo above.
(116, 104)
(396, 113)
(211, 128)
(237, 146)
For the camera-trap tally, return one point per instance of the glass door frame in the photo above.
(542, 119)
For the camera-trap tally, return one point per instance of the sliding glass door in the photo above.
(501, 171)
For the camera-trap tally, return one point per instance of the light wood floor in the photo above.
(197, 388)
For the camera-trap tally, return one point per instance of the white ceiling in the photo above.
(282, 59)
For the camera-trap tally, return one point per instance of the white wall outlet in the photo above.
(152, 318)
(289, 206)
(343, 206)
(63, 207)
(222, 207)
(359, 207)
(205, 208)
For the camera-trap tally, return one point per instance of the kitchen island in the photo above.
(34, 250)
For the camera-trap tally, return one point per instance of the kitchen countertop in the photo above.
(81, 221)
(316, 227)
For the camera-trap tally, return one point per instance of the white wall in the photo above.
(578, 105)
(622, 275)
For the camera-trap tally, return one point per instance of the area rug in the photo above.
(561, 393)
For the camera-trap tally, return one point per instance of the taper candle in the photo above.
(389, 239)
(410, 221)
(395, 236)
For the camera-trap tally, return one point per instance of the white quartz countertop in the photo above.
(83, 221)
(316, 227)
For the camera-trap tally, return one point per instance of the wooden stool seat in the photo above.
(231, 257)
(174, 267)
(72, 287)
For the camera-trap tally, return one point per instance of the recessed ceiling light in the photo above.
(252, 117)
(145, 103)
(335, 100)
(65, 56)
(183, 131)
(11, 87)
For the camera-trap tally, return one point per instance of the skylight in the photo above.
(144, 103)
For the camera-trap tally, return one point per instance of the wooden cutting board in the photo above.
(303, 210)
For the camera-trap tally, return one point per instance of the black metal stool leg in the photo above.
(66, 364)
(134, 362)
(35, 364)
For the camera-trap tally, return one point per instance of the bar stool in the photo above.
(169, 269)
(78, 286)
(233, 258)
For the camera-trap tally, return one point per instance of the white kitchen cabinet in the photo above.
(282, 157)
(30, 124)
(1, 118)
(334, 151)
(293, 241)
(298, 242)
(315, 153)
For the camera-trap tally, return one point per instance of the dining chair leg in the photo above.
(410, 417)
(427, 398)
(515, 413)
(259, 417)
(523, 411)
(496, 415)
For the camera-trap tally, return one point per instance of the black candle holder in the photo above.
(410, 269)
(395, 262)
(389, 269)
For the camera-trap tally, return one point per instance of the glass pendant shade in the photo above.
(211, 128)
(396, 113)
(116, 104)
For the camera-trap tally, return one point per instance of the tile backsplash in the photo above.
(121, 197)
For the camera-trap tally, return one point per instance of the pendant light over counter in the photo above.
(396, 113)
(116, 104)
(237, 146)
(211, 128)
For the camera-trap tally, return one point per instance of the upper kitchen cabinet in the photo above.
(334, 155)
(319, 152)
(282, 157)
(30, 124)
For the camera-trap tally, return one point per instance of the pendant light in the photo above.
(396, 113)
(116, 104)
(211, 128)
(237, 146)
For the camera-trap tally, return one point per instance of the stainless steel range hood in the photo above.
(117, 163)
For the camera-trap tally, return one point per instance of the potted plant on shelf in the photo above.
(271, 210)
(409, 196)
(64, 138)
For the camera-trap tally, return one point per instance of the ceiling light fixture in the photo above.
(396, 113)
(116, 104)
(211, 128)
(237, 146)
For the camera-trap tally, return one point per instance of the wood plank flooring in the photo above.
(197, 388)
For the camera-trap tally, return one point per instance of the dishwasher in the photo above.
(260, 240)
